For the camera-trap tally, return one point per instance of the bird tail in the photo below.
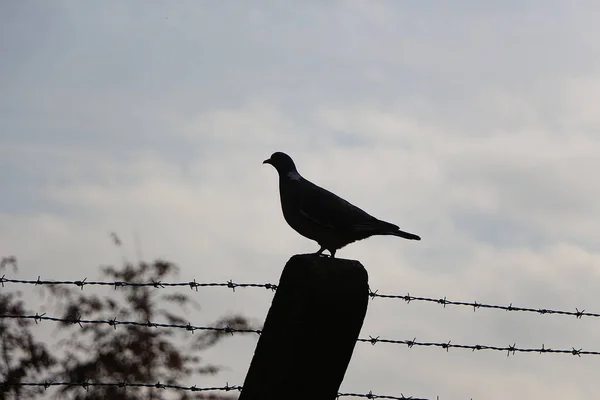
(390, 229)
(404, 235)
(382, 228)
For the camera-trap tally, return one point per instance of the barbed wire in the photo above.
(5, 386)
(511, 349)
(114, 323)
(87, 384)
(270, 286)
(444, 302)
(157, 284)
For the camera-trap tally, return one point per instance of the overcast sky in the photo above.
(473, 124)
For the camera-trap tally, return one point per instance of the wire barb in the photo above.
(81, 283)
(231, 284)
(113, 322)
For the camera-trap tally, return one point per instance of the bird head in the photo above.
(282, 162)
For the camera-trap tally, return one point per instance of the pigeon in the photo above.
(322, 216)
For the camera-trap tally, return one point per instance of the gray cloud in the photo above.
(473, 125)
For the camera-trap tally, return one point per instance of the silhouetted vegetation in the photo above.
(22, 357)
(104, 353)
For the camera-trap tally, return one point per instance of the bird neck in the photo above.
(292, 175)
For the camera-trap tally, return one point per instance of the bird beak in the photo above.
(267, 161)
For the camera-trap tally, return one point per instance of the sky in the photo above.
(472, 124)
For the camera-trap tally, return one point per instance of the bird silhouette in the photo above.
(322, 216)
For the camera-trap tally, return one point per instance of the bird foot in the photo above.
(320, 253)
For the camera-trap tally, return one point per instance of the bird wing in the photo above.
(332, 212)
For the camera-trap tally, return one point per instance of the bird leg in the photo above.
(320, 252)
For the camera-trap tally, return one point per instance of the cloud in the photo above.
(472, 125)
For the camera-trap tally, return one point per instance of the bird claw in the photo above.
(320, 254)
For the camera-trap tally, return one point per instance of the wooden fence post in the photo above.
(310, 330)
